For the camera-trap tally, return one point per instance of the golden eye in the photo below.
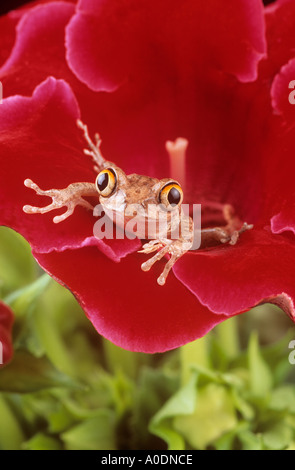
(106, 182)
(171, 195)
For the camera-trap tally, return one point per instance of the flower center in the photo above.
(219, 221)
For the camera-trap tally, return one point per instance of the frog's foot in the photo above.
(234, 226)
(227, 234)
(176, 248)
(224, 233)
(69, 197)
(94, 151)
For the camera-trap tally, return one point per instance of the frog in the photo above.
(124, 196)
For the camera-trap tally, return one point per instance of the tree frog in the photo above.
(159, 200)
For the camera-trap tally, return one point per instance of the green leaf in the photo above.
(118, 359)
(97, 433)
(250, 441)
(11, 434)
(231, 379)
(275, 355)
(194, 354)
(227, 440)
(154, 388)
(283, 398)
(122, 393)
(278, 436)
(49, 332)
(34, 409)
(214, 415)
(174, 440)
(246, 410)
(60, 420)
(291, 446)
(42, 442)
(261, 380)
(23, 303)
(68, 338)
(228, 337)
(27, 373)
(85, 404)
(182, 403)
(17, 265)
(23, 300)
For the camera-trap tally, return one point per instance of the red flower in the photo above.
(143, 72)
(6, 321)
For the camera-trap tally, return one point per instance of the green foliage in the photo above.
(68, 388)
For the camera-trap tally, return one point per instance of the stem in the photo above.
(11, 435)
(195, 353)
(118, 359)
(228, 336)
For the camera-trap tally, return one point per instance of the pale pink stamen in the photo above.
(177, 151)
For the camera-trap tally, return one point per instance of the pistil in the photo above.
(177, 155)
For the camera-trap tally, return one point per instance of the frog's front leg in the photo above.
(69, 197)
(176, 248)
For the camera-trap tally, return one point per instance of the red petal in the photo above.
(40, 136)
(233, 279)
(6, 322)
(9, 21)
(284, 220)
(283, 91)
(168, 61)
(173, 88)
(33, 59)
(278, 152)
(280, 24)
(225, 36)
(198, 104)
(7, 36)
(126, 305)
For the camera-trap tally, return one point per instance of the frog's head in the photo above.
(129, 196)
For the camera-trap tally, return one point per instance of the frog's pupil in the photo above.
(102, 181)
(174, 196)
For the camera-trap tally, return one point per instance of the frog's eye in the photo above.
(106, 182)
(171, 195)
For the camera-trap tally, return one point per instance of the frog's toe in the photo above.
(151, 246)
(146, 266)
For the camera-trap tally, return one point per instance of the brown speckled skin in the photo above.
(138, 189)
